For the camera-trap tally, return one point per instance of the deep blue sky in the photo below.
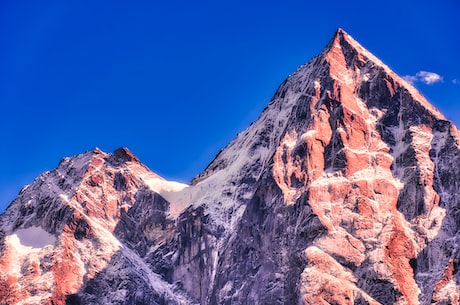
(175, 81)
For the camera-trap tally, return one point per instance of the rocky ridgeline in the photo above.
(344, 191)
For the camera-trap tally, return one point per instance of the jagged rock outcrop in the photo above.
(344, 191)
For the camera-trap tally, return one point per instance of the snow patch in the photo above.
(309, 134)
(31, 239)
(366, 77)
(317, 84)
(64, 197)
(178, 194)
(26, 246)
(162, 186)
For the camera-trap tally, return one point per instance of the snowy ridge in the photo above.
(222, 188)
(343, 191)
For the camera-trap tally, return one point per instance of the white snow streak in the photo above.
(156, 282)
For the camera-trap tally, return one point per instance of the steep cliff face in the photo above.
(351, 206)
(344, 191)
(357, 150)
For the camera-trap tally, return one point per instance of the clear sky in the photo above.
(175, 81)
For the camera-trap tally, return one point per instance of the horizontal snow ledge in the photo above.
(31, 239)
(176, 193)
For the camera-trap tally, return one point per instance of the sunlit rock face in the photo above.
(344, 191)
(61, 239)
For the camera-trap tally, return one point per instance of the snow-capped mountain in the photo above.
(344, 191)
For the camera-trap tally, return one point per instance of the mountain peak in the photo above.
(340, 39)
(350, 62)
(125, 154)
(344, 50)
(340, 34)
(343, 191)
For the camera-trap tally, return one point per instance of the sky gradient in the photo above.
(175, 81)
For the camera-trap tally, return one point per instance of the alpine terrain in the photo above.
(346, 190)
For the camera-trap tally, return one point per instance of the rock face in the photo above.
(344, 191)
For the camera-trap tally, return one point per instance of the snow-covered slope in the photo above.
(344, 191)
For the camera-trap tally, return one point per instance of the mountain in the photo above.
(344, 191)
